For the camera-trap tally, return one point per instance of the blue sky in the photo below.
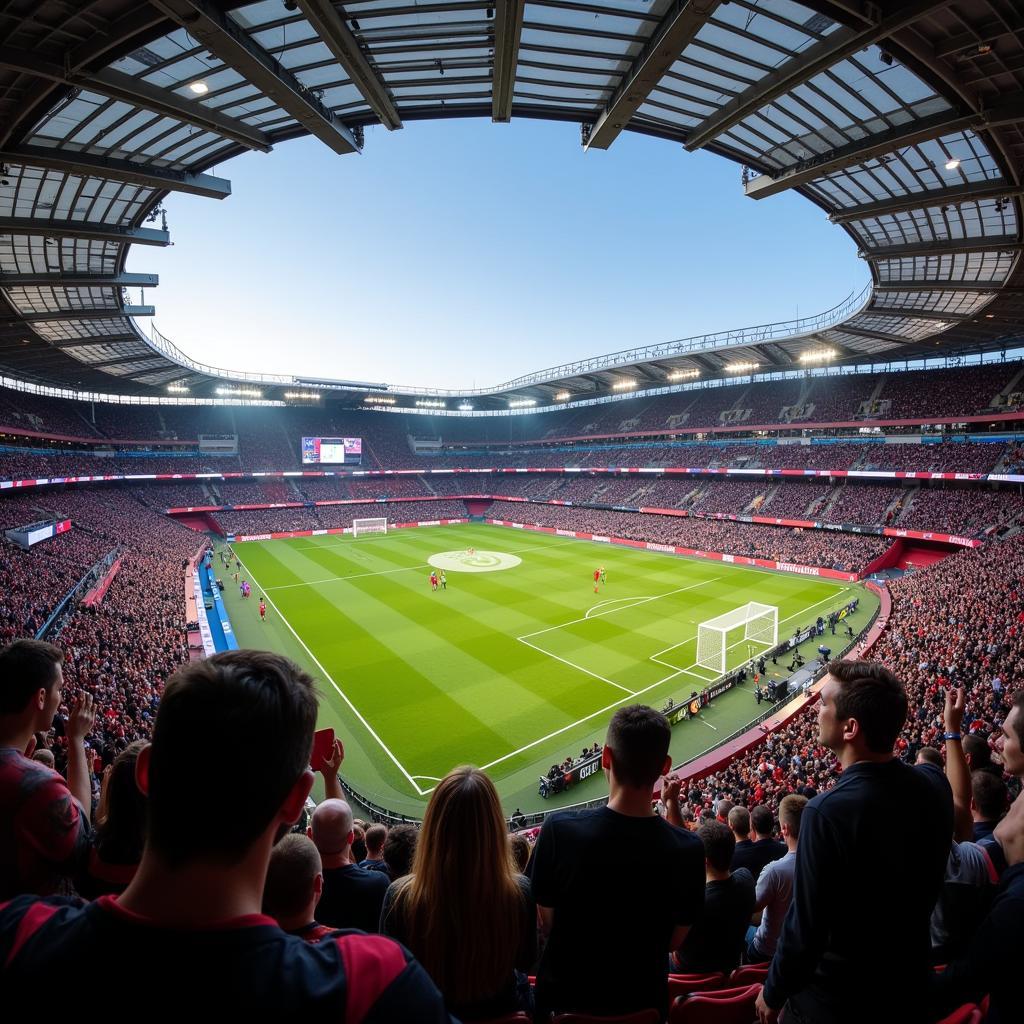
(463, 254)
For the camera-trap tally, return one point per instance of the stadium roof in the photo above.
(903, 120)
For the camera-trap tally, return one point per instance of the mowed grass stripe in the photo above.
(442, 677)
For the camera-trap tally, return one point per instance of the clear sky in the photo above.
(463, 254)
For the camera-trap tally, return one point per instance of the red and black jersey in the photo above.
(244, 966)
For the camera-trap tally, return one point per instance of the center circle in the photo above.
(473, 560)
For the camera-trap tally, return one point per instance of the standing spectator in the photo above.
(775, 884)
(717, 940)
(765, 849)
(375, 837)
(352, 897)
(858, 913)
(292, 890)
(189, 925)
(617, 888)
(47, 831)
(465, 912)
(399, 850)
(739, 824)
(988, 802)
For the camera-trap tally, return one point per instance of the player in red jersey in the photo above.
(597, 579)
(263, 609)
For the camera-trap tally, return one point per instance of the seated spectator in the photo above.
(765, 849)
(617, 887)
(520, 847)
(399, 849)
(352, 897)
(775, 884)
(717, 940)
(188, 927)
(374, 838)
(293, 887)
(46, 835)
(120, 833)
(464, 912)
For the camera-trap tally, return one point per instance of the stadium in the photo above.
(710, 527)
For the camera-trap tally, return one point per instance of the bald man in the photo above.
(352, 897)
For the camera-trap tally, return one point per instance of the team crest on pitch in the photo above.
(473, 560)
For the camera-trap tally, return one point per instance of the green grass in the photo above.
(510, 670)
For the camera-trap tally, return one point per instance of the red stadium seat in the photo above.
(749, 974)
(684, 984)
(721, 1006)
(966, 1014)
(640, 1017)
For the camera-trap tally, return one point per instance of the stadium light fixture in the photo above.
(380, 400)
(952, 163)
(820, 355)
(624, 385)
(240, 392)
(675, 375)
(430, 403)
(562, 396)
(741, 367)
(177, 389)
(200, 88)
(522, 403)
(311, 395)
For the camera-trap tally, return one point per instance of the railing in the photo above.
(68, 602)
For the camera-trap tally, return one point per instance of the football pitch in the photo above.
(517, 663)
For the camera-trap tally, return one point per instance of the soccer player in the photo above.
(444, 581)
(263, 609)
(433, 581)
(597, 578)
(604, 575)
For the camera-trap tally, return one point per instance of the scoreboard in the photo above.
(332, 451)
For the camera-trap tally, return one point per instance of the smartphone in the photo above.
(323, 748)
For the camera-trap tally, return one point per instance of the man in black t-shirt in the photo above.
(716, 941)
(187, 934)
(352, 896)
(616, 887)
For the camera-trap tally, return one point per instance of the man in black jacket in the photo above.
(870, 863)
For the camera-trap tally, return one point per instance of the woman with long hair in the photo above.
(465, 912)
(120, 832)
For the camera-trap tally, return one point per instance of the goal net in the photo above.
(760, 624)
(361, 526)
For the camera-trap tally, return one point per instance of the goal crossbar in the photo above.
(760, 624)
(360, 526)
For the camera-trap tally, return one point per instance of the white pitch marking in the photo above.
(640, 600)
(579, 668)
(316, 661)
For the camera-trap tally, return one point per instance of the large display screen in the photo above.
(332, 451)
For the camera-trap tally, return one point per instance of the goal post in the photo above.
(760, 623)
(361, 526)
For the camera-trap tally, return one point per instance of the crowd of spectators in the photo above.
(845, 552)
(865, 504)
(961, 510)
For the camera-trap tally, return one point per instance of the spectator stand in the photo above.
(69, 601)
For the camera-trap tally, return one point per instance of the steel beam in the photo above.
(84, 230)
(676, 30)
(918, 130)
(139, 93)
(968, 192)
(331, 27)
(58, 279)
(88, 165)
(226, 39)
